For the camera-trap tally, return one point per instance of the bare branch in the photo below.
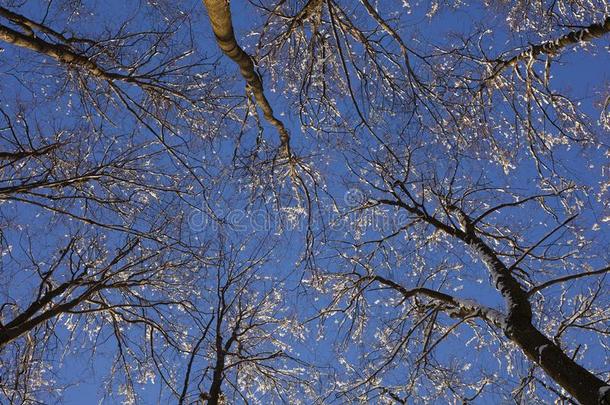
(564, 279)
(220, 17)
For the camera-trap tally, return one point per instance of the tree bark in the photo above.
(220, 17)
(575, 379)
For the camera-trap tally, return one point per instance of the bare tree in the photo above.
(95, 197)
(245, 353)
(420, 213)
(468, 151)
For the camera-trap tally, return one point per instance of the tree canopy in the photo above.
(304, 201)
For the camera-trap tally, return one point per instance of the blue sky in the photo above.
(580, 73)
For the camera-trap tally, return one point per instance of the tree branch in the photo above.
(220, 17)
(549, 283)
(553, 47)
(461, 307)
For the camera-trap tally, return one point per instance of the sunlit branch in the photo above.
(587, 34)
(220, 17)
